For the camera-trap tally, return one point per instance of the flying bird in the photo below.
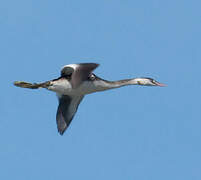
(76, 81)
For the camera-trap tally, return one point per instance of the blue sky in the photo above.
(130, 133)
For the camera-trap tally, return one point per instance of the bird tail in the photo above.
(23, 84)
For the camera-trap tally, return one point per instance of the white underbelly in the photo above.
(60, 86)
(64, 87)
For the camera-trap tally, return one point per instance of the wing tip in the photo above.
(61, 129)
(61, 132)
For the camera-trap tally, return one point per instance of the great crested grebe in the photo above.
(75, 82)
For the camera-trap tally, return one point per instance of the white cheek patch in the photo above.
(139, 81)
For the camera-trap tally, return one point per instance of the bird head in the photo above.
(144, 81)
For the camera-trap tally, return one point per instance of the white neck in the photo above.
(101, 85)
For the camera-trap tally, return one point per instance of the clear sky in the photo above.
(142, 133)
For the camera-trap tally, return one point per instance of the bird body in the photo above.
(76, 81)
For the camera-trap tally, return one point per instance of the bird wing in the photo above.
(67, 108)
(80, 72)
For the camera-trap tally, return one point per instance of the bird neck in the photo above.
(102, 85)
(120, 83)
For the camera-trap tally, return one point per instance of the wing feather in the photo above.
(79, 72)
(67, 108)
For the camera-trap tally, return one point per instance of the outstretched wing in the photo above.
(79, 72)
(67, 108)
